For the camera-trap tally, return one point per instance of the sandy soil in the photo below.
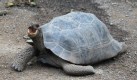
(119, 15)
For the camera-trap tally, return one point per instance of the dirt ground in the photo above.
(120, 16)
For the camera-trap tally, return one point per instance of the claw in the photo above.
(17, 67)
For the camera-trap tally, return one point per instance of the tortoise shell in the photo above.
(79, 38)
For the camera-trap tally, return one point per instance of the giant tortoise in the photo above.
(72, 42)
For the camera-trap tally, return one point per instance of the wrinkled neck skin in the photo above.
(38, 41)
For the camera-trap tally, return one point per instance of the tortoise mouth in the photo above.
(32, 32)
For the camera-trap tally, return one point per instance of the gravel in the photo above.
(118, 15)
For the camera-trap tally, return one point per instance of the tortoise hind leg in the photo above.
(78, 70)
(22, 58)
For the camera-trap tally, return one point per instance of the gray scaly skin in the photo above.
(69, 68)
(23, 57)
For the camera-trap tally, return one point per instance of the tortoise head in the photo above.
(33, 30)
(35, 33)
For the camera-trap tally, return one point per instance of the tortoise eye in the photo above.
(37, 25)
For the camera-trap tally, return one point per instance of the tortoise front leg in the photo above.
(22, 58)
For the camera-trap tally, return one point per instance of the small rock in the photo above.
(6, 31)
(135, 53)
(134, 70)
(126, 39)
(3, 66)
(122, 19)
(114, 3)
(42, 9)
(71, 10)
(26, 37)
(126, 15)
(32, 4)
(19, 48)
(9, 4)
(111, 23)
(129, 56)
(99, 71)
(129, 9)
(3, 12)
(18, 39)
(12, 33)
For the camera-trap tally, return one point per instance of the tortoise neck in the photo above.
(38, 41)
